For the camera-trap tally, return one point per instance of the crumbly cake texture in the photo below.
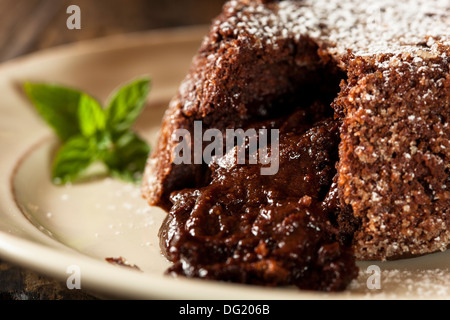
(394, 100)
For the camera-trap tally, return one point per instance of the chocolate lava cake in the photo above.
(360, 94)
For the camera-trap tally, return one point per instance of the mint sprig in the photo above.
(90, 133)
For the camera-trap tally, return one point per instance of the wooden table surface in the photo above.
(27, 26)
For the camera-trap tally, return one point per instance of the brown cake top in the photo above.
(364, 27)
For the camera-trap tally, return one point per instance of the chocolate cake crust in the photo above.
(391, 59)
(394, 155)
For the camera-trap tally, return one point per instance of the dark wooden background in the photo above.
(27, 26)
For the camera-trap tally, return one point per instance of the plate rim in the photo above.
(115, 41)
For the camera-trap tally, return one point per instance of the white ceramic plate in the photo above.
(49, 229)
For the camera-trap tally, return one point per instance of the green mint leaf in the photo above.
(73, 158)
(126, 105)
(91, 117)
(128, 158)
(91, 134)
(57, 105)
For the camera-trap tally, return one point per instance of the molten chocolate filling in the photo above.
(281, 229)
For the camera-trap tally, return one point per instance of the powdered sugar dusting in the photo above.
(401, 283)
(365, 28)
